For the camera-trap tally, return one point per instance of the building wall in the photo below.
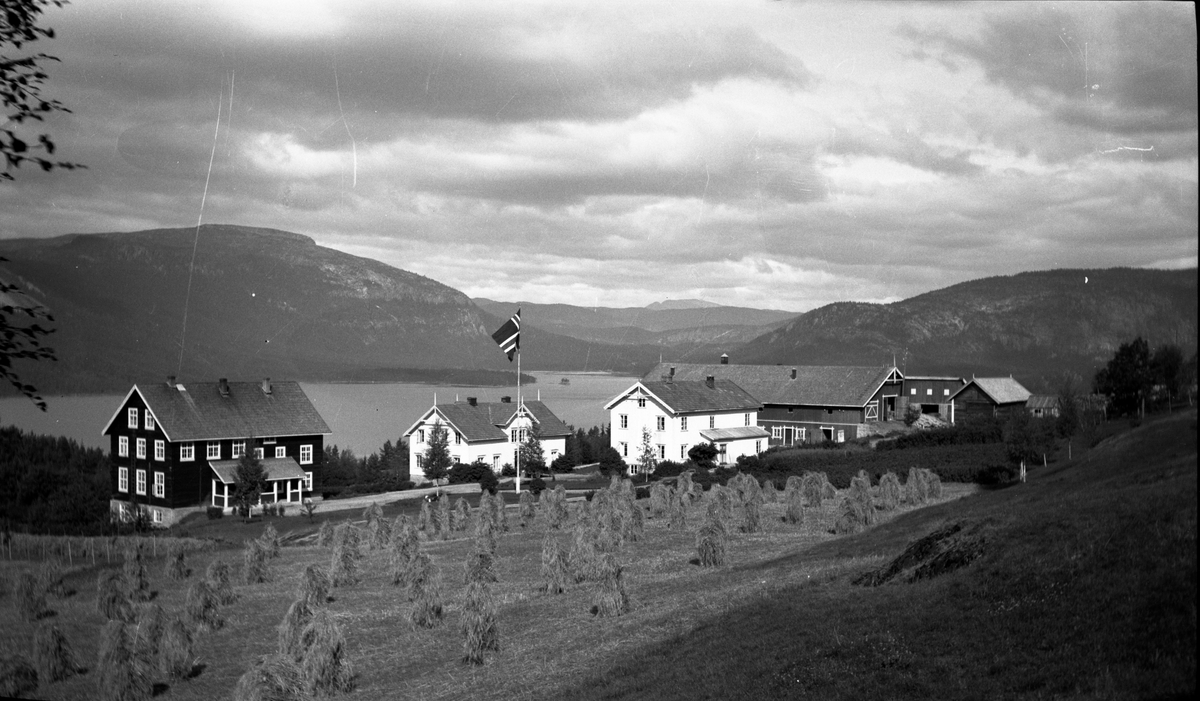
(674, 439)
(785, 421)
(492, 453)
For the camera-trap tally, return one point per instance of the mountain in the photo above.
(251, 302)
(682, 304)
(584, 321)
(1033, 325)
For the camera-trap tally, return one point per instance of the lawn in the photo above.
(1085, 588)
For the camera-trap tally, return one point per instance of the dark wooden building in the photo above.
(988, 396)
(174, 448)
(930, 394)
(806, 403)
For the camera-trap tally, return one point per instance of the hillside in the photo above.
(261, 303)
(1033, 325)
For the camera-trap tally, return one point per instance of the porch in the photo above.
(287, 481)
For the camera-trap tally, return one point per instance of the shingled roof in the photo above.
(1001, 390)
(483, 421)
(686, 397)
(813, 385)
(199, 411)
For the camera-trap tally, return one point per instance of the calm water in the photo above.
(361, 416)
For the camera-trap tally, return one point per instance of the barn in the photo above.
(988, 396)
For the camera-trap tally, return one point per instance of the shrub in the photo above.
(426, 594)
(343, 566)
(555, 571)
(478, 624)
(214, 512)
(270, 541)
(220, 581)
(911, 414)
(52, 654)
(111, 601)
(177, 568)
(271, 678)
(473, 472)
(609, 597)
(710, 544)
(292, 627)
(175, 659)
(890, 491)
(325, 535)
(29, 598)
(124, 675)
(324, 666)
(254, 562)
(17, 677)
(133, 572)
(203, 607)
(314, 586)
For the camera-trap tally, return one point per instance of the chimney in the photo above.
(724, 358)
(506, 400)
(223, 386)
(171, 381)
(710, 381)
(266, 385)
(473, 401)
(793, 373)
(672, 371)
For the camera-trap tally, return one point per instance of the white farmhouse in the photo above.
(680, 414)
(489, 432)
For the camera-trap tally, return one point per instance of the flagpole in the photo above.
(520, 405)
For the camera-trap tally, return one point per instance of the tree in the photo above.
(21, 336)
(646, 459)
(1027, 438)
(1127, 379)
(1067, 423)
(437, 461)
(611, 461)
(533, 459)
(704, 454)
(1166, 367)
(249, 482)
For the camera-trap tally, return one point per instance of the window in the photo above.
(187, 452)
(801, 434)
(306, 455)
(913, 391)
(132, 414)
(457, 438)
(421, 435)
(712, 422)
(661, 423)
(945, 393)
(258, 453)
(123, 479)
(757, 446)
(683, 451)
(149, 421)
(624, 450)
(214, 451)
(280, 451)
(239, 449)
(841, 436)
(160, 485)
(141, 482)
(141, 448)
(156, 514)
(929, 392)
(420, 461)
(123, 446)
(513, 434)
(777, 433)
(160, 450)
(308, 481)
(495, 462)
(124, 512)
(747, 422)
(662, 452)
(641, 402)
(683, 423)
(624, 420)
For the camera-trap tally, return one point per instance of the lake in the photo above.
(361, 416)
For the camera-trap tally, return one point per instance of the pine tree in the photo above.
(437, 458)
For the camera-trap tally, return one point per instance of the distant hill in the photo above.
(261, 303)
(1033, 325)
(682, 304)
(584, 321)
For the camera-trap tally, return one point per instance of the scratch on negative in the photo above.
(353, 146)
(1128, 148)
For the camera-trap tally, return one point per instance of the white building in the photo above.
(679, 414)
(489, 432)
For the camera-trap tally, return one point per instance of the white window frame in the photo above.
(139, 484)
(308, 482)
(160, 450)
(420, 435)
(123, 446)
(841, 435)
(156, 515)
(682, 423)
(801, 434)
(239, 449)
(777, 433)
(929, 392)
(259, 452)
(641, 402)
(747, 423)
(624, 450)
(496, 462)
(457, 438)
(160, 484)
(912, 391)
(662, 452)
(149, 423)
(131, 417)
(122, 479)
(945, 393)
(280, 451)
(513, 436)
(213, 450)
(187, 452)
(712, 421)
(661, 423)
(624, 420)
(420, 461)
(306, 454)
(683, 452)
(757, 447)
(141, 449)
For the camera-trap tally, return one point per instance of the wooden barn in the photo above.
(988, 396)
(930, 394)
(806, 403)
(174, 447)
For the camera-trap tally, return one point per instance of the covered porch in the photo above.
(284, 476)
(733, 443)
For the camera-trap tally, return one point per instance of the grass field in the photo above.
(1084, 586)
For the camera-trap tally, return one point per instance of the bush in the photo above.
(52, 654)
(911, 414)
(489, 483)
(537, 485)
(464, 474)
(562, 463)
(17, 677)
(214, 512)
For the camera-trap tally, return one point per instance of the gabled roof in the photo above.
(483, 421)
(737, 433)
(276, 469)
(1001, 390)
(823, 385)
(198, 411)
(687, 397)
(1042, 401)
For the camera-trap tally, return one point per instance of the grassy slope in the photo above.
(1086, 588)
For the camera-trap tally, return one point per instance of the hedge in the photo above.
(981, 463)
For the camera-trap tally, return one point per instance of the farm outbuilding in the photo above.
(988, 396)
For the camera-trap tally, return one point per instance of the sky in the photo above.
(766, 154)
